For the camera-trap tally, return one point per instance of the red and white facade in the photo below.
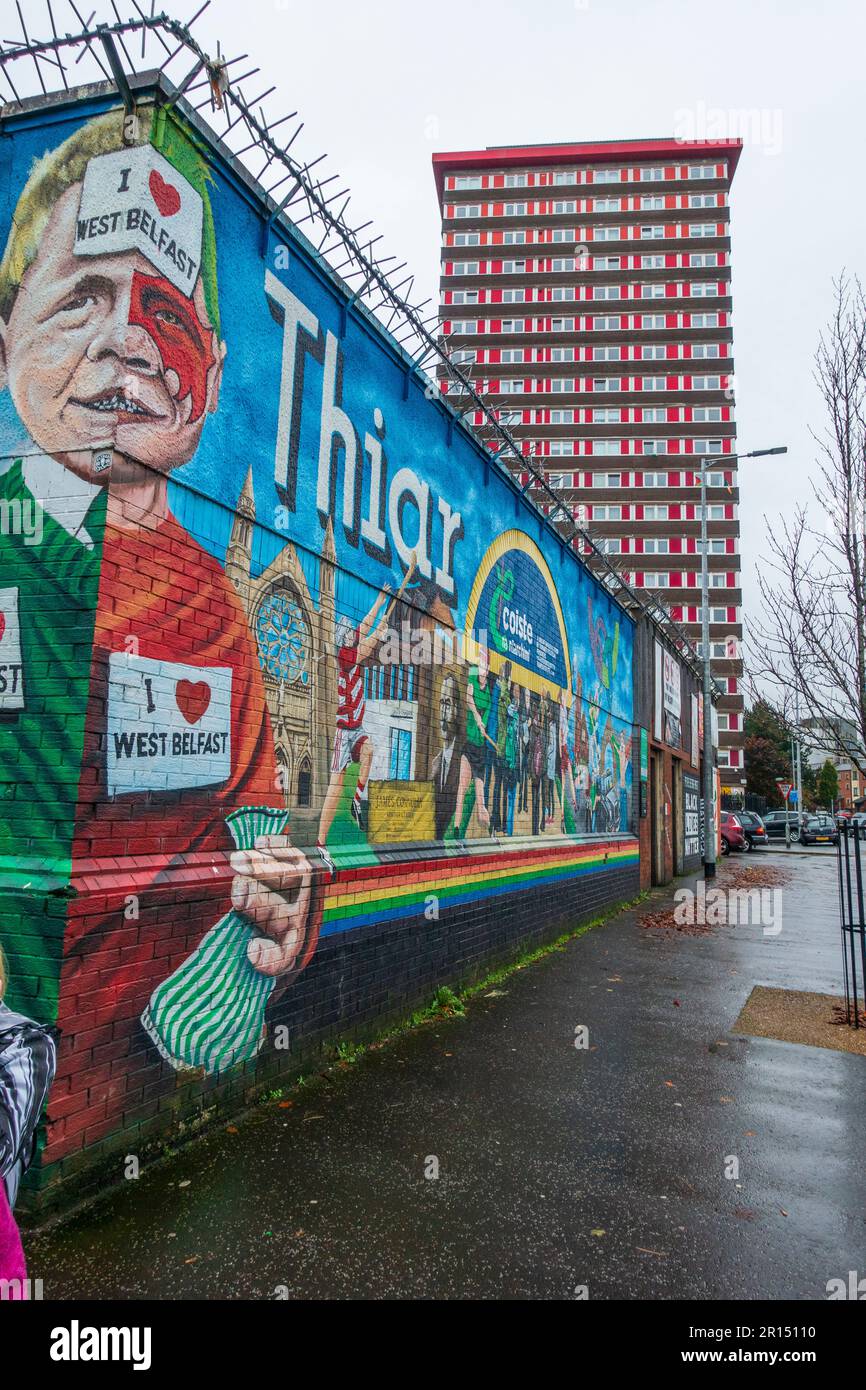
(586, 289)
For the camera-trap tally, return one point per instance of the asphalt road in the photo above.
(558, 1167)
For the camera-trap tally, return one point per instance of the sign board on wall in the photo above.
(691, 816)
(644, 770)
(658, 698)
(514, 605)
(672, 699)
(401, 811)
(696, 745)
(672, 683)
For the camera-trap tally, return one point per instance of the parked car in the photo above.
(774, 824)
(753, 829)
(733, 836)
(820, 829)
(857, 825)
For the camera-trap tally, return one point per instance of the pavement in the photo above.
(563, 1171)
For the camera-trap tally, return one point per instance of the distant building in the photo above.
(586, 289)
(852, 787)
(835, 739)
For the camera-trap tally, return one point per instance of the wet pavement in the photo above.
(558, 1167)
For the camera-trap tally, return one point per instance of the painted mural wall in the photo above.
(281, 657)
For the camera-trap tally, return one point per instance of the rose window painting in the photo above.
(283, 639)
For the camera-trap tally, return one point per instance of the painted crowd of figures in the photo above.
(524, 762)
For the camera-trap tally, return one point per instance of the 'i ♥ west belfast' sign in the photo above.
(169, 725)
(133, 200)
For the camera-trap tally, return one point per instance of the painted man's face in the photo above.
(103, 351)
(448, 710)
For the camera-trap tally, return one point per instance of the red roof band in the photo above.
(501, 157)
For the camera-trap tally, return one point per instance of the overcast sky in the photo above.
(383, 83)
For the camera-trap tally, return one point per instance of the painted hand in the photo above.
(273, 888)
(622, 748)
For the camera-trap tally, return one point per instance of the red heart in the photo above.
(165, 195)
(192, 699)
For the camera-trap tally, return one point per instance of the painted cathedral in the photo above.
(295, 641)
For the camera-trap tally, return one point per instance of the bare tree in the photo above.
(809, 646)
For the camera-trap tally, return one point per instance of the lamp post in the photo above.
(709, 839)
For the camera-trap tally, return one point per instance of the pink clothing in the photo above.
(12, 1264)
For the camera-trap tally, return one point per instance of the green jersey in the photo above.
(481, 694)
(48, 594)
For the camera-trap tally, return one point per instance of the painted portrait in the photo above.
(140, 733)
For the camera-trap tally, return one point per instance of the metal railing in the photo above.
(852, 913)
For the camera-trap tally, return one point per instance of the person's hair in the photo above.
(61, 168)
(4, 975)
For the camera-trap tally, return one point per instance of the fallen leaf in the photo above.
(726, 1100)
(782, 1210)
(670, 1083)
(676, 1003)
(748, 1133)
(186, 1182)
(231, 1129)
(286, 1104)
(598, 1232)
(191, 1261)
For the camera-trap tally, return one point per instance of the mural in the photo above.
(263, 616)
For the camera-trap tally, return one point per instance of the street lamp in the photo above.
(709, 839)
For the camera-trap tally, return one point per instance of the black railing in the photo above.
(853, 920)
